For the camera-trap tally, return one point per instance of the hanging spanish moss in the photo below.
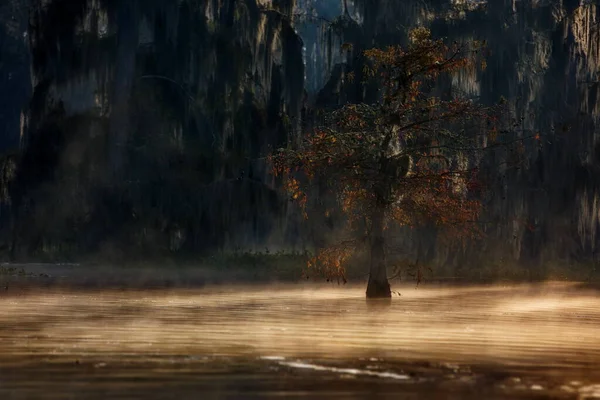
(149, 121)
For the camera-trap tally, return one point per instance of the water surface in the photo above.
(523, 341)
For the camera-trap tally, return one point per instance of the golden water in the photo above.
(530, 341)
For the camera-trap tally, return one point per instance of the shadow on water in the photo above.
(492, 342)
(378, 305)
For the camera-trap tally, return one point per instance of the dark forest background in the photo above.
(139, 128)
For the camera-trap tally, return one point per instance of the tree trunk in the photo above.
(13, 246)
(14, 229)
(378, 286)
(127, 42)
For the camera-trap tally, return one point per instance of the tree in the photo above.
(409, 158)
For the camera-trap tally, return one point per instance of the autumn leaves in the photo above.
(411, 154)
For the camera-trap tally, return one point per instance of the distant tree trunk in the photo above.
(127, 42)
(14, 232)
(378, 286)
(13, 244)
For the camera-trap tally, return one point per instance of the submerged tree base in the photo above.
(378, 289)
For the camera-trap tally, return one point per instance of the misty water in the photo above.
(517, 341)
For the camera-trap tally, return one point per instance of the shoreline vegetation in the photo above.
(261, 267)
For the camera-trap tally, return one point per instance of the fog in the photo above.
(151, 248)
(502, 340)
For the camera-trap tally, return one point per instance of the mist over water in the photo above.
(502, 341)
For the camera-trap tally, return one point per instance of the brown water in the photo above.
(540, 341)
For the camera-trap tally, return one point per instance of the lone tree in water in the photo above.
(409, 158)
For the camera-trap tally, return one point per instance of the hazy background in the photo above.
(138, 129)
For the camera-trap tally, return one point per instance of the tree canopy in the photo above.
(409, 158)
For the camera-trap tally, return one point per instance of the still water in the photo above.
(488, 342)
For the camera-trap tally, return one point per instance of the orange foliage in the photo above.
(410, 153)
(329, 262)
